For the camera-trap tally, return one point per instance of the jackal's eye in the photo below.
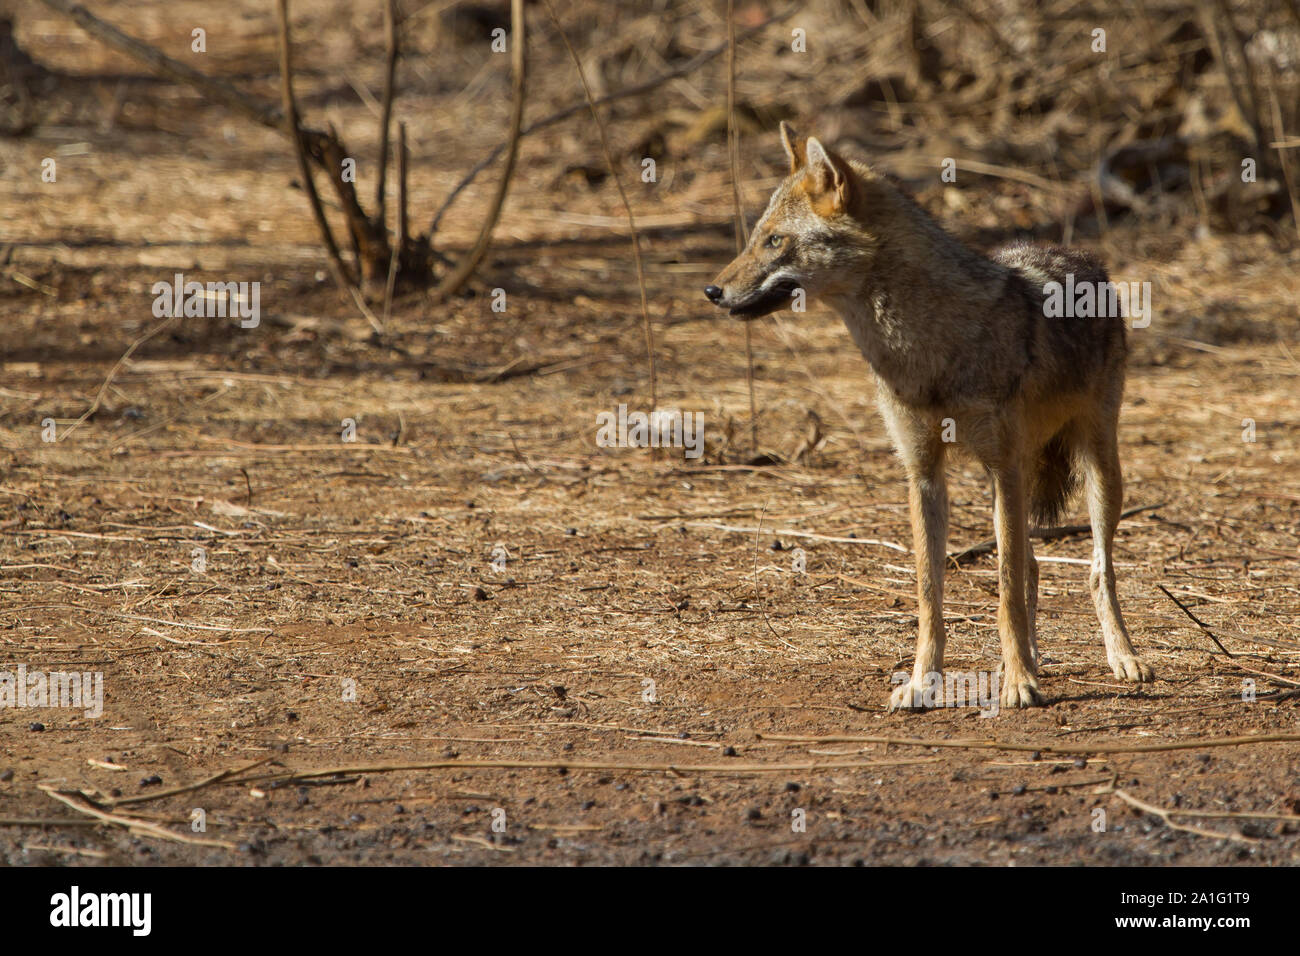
(775, 240)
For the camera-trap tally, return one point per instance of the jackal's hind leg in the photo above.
(1019, 666)
(1105, 498)
(1031, 599)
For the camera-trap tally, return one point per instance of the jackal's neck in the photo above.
(924, 306)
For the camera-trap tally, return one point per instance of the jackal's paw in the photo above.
(1132, 668)
(1020, 692)
(908, 696)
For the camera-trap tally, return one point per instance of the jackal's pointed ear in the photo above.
(828, 176)
(794, 146)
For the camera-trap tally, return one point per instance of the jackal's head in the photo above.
(811, 237)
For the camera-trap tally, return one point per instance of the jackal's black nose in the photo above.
(713, 292)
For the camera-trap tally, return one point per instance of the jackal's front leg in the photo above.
(927, 494)
(1019, 668)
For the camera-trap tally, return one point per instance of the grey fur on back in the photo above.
(1078, 350)
(955, 329)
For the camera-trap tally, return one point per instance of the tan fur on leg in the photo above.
(1019, 680)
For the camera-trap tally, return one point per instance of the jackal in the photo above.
(963, 352)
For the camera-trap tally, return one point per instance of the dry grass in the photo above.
(371, 561)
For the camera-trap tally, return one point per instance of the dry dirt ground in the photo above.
(263, 597)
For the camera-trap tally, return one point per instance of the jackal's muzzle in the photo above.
(753, 305)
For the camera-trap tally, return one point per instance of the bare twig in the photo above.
(337, 267)
(627, 206)
(365, 310)
(466, 266)
(793, 533)
(46, 822)
(112, 373)
(758, 593)
(142, 827)
(216, 778)
(734, 766)
(733, 151)
(401, 243)
(1044, 747)
(1278, 678)
(1199, 623)
(390, 84)
(392, 282)
(1167, 817)
(403, 221)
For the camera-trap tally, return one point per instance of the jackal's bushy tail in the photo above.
(1053, 480)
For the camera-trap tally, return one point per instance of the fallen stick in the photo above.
(1167, 815)
(483, 842)
(792, 533)
(1199, 623)
(43, 822)
(142, 827)
(222, 628)
(1264, 641)
(1274, 677)
(598, 765)
(990, 744)
(190, 788)
(1233, 815)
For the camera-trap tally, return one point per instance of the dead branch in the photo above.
(466, 266)
(1044, 747)
(403, 221)
(337, 268)
(141, 827)
(402, 225)
(190, 787)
